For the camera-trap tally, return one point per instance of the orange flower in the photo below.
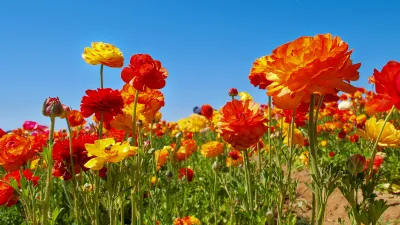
(15, 151)
(309, 65)
(258, 73)
(242, 124)
(122, 122)
(144, 72)
(234, 158)
(186, 150)
(75, 118)
(162, 156)
(212, 149)
(103, 53)
(388, 86)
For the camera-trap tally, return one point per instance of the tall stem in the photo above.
(45, 218)
(269, 130)
(374, 148)
(74, 183)
(135, 174)
(101, 76)
(313, 156)
(248, 182)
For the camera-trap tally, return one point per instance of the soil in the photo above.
(335, 208)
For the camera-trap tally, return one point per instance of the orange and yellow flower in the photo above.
(309, 65)
(212, 149)
(188, 220)
(15, 151)
(242, 124)
(103, 53)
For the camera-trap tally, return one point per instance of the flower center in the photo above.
(11, 144)
(240, 116)
(109, 151)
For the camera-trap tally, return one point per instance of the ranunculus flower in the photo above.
(387, 84)
(207, 111)
(144, 72)
(345, 105)
(103, 53)
(187, 173)
(29, 125)
(8, 196)
(390, 136)
(242, 124)
(212, 149)
(15, 151)
(258, 73)
(75, 118)
(103, 100)
(233, 92)
(356, 163)
(52, 107)
(309, 65)
(106, 150)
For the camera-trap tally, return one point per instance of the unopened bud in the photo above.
(52, 107)
(356, 163)
(233, 92)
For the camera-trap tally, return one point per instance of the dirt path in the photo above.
(336, 203)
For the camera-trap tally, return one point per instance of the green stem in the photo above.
(77, 212)
(269, 130)
(135, 174)
(248, 182)
(49, 180)
(374, 148)
(291, 152)
(101, 76)
(313, 155)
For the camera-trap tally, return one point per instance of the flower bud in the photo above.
(67, 110)
(233, 92)
(356, 163)
(52, 107)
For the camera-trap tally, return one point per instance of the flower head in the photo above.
(233, 92)
(106, 150)
(103, 100)
(187, 173)
(207, 111)
(242, 124)
(309, 65)
(15, 151)
(212, 149)
(390, 136)
(103, 53)
(75, 118)
(52, 107)
(387, 83)
(8, 196)
(144, 72)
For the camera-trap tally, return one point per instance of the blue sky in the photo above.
(207, 46)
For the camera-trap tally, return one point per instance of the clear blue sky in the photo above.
(208, 46)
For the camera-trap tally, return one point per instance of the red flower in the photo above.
(377, 163)
(103, 100)
(354, 138)
(234, 155)
(143, 71)
(233, 92)
(388, 85)
(2, 133)
(341, 134)
(8, 196)
(75, 118)
(331, 154)
(186, 171)
(207, 111)
(61, 156)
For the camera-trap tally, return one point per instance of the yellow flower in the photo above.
(304, 157)
(103, 53)
(216, 117)
(34, 164)
(324, 143)
(390, 136)
(106, 150)
(194, 123)
(244, 96)
(212, 149)
(298, 139)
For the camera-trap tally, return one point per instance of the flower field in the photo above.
(319, 151)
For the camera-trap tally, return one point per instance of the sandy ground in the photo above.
(336, 203)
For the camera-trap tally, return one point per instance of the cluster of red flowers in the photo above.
(8, 195)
